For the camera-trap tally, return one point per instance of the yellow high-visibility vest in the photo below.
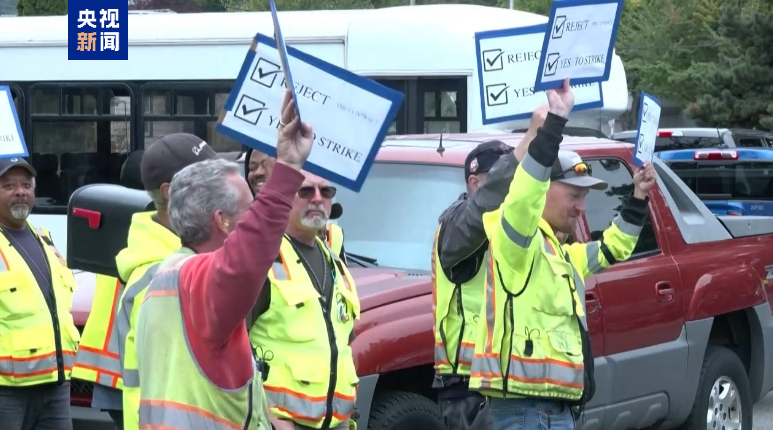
(174, 394)
(534, 338)
(335, 238)
(456, 310)
(149, 243)
(308, 343)
(97, 360)
(33, 349)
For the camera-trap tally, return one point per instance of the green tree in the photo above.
(41, 7)
(735, 87)
(263, 5)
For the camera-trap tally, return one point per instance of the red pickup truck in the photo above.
(681, 332)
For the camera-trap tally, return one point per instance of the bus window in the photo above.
(16, 99)
(80, 135)
(186, 109)
(444, 105)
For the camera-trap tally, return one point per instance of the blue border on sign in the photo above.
(373, 87)
(26, 153)
(520, 31)
(642, 95)
(542, 86)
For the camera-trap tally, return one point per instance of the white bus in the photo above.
(81, 118)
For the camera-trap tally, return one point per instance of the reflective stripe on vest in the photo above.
(292, 335)
(101, 363)
(456, 327)
(548, 376)
(187, 399)
(28, 338)
(131, 377)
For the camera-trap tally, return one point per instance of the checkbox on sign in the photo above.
(492, 60)
(551, 64)
(265, 73)
(557, 31)
(496, 94)
(249, 109)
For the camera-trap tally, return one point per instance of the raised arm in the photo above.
(234, 275)
(463, 233)
(512, 227)
(619, 240)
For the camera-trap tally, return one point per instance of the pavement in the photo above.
(90, 419)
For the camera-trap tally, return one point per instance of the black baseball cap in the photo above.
(170, 154)
(482, 158)
(9, 163)
(131, 177)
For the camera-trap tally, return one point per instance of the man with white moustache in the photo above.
(303, 321)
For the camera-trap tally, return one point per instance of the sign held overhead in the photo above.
(12, 144)
(507, 61)
(350, 114)
(647, 130)
(579, 42)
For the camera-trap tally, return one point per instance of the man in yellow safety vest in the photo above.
(196, 366)
(38, 338)
(532, 354)
(98, 359)
(303, 321)
(459, 276)
(257, 169)
(150, 241)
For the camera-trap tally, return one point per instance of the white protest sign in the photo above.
(507, 62)
(350, 114)
(647, 131)
(578, 43)
(12, 144)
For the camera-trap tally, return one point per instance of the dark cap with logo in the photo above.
(482, 158)
(9, 163)
(170, 154)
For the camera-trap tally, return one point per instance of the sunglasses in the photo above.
(308, 192)
(579, 169)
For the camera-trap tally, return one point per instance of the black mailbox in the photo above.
(98, 219)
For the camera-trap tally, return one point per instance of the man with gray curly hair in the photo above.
(196, 367)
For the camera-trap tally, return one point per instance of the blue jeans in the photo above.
(531, 414)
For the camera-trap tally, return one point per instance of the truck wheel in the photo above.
(398, 410)
(724, 399)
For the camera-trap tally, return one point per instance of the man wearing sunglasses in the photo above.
(533, 356)
(460, 250)
(303, 321)
(257, 170)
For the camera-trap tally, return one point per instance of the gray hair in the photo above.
(195, 193)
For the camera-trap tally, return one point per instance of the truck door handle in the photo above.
(664, 291)
(592, 304)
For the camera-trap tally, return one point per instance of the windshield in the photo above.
(736, 180)
(394, 217)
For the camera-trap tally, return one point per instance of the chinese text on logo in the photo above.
(97, 30)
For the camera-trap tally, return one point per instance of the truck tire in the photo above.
(398, 410)
(723, 393)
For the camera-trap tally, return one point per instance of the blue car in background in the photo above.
(730, 182)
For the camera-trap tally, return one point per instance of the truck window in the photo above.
(80, 135)
(750, 142)
(394, 217)
(737, 180)
(602, 206)
(191, 108)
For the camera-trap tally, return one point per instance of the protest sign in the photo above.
(12, 144)
(647, 130)
(579, 42)
(350, 114)
(507, 62)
